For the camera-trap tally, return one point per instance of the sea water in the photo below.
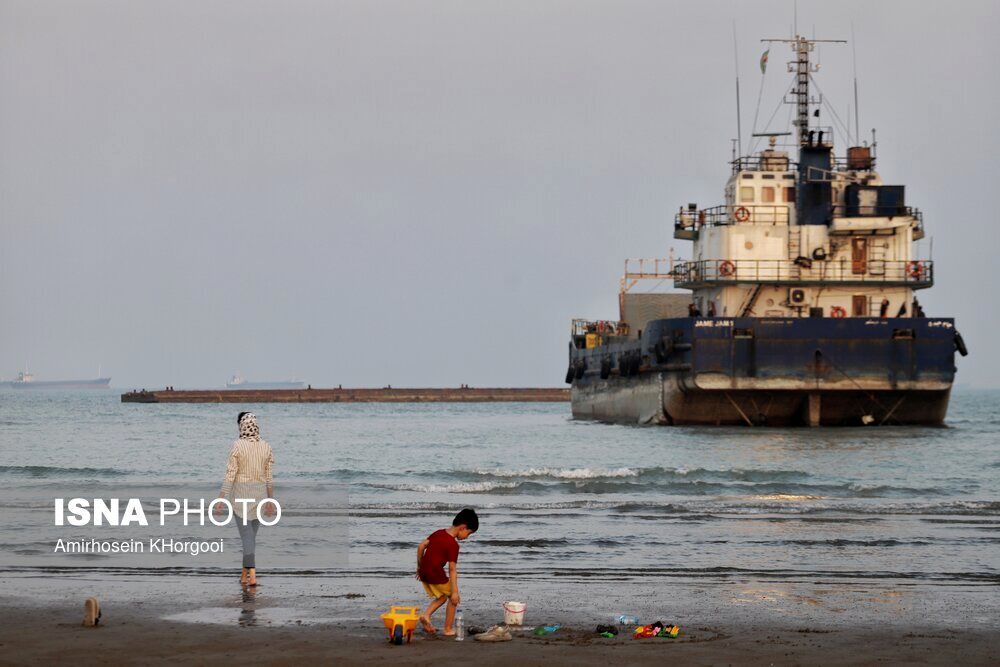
(559, 500)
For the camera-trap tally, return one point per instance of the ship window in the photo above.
(789, 176)
(771, 176)
(746, 194)
(789, 195)
(767, 195)
(747, 175)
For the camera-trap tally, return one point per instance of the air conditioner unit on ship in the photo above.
(797, 296)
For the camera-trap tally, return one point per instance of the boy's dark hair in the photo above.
(239, 418)
(467, 518)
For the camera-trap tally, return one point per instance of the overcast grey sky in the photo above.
(425, 192)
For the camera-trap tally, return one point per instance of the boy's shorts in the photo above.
(434, 591)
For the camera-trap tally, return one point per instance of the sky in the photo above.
(425, 192)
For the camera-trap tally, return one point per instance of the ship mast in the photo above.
(802, 68)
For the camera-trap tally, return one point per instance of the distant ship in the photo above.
(26, 380)
(239, 382)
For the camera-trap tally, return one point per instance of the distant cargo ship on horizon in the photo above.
(26, 380)
(239, 382)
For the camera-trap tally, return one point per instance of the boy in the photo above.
(432, 554)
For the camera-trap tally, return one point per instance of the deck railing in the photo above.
(780, 214)
(917, 273)
(761, 214)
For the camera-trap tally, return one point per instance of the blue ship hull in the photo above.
(776, 371)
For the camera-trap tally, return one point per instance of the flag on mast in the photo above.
(763, 62)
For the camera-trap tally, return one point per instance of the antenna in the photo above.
(802, 68)
(736, 63)
(854, 50)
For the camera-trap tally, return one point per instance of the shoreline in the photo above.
(138, 633)
(290, 619)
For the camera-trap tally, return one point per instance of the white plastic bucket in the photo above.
(513, 613)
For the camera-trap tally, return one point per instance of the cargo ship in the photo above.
(26, 380)
(239, 382)
(801, 306)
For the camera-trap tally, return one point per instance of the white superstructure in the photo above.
(821, 237)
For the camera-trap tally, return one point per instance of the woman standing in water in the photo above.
(248, 475)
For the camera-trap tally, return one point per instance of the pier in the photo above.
(340, 395)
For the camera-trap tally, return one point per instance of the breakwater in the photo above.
(354, 395)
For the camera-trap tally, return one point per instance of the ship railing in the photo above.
(648, 268)
(760, 162)
(734, 214)
(776, 163)
(914, 273)
(582, 327)
(845, 163)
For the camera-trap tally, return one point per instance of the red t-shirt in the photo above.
(441, 549)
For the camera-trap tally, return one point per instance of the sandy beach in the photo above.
(136, 635)
(202, 620)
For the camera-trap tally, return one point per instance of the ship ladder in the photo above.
(751, 299)
(794, 251)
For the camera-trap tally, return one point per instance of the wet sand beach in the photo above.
(54, 635)
(295, 619)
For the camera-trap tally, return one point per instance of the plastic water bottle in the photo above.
(628, 620)
(459, 626)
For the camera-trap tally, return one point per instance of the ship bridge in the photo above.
(812, 235)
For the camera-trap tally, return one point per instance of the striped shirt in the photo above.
(248, 473)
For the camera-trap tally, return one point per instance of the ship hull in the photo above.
(776, 372)
(658, 399)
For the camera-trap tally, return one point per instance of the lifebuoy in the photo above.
(726, 268)
(915, 270)
(837, 312)
(602, 326)
(742, 214)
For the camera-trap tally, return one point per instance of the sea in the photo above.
(576, 517)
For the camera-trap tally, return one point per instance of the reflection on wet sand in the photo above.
(248, 614)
